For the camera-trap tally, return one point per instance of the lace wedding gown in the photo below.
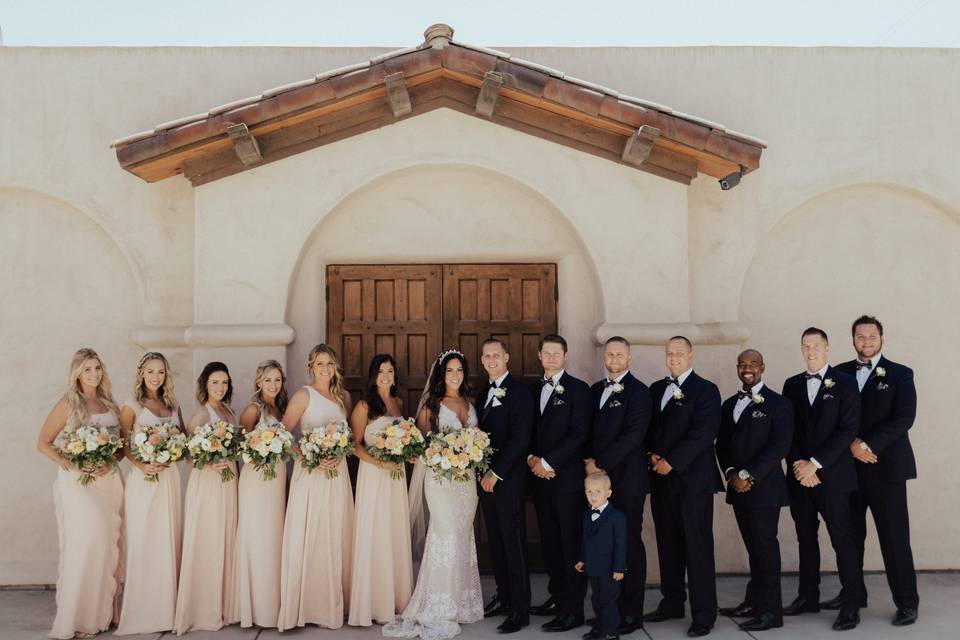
(448, 586)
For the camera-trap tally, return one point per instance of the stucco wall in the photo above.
(855, 208)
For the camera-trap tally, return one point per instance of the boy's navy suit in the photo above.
(605, 553)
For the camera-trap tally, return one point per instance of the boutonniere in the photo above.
(880, 372)
(558, 390)
(499, 393)
(758, 414)
(757, 399)
(677, 394)
(828, 383)
(617, 387)
(881, 386)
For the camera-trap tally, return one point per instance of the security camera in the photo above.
(732, 180)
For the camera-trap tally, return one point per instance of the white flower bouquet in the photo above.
(332, 441)
(265, 446)
(214, 442)
(90, 447)
(159, 444)
(396, 443)
(452, 455)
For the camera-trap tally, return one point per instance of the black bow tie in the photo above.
(596, 511)
(670, 380)
(548, 381)
(810, 376)
(744, 394)
(862, 365)
(608, 382)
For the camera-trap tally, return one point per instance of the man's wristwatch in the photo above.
(864, 446)
(743, 474)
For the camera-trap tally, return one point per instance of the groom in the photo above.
(506, 411)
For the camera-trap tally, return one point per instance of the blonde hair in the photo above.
(599, 477)
(77, 412)
(336, 382)
(140, 393)
(257, 398)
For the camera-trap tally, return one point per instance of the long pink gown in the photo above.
(317, 536)
(382, 563)
(89, 521)
(205, 591)
(259, 540)
(153, 516)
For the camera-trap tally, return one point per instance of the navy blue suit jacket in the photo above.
(510, 425)
(888, 407)
(684, 433)
(617, 440)
(560, 433)
(825, 430)
(757, 442)
(604, 550)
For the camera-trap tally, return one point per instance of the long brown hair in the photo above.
(77, 412)
(336, 382)
(140, 393)
(209, 370)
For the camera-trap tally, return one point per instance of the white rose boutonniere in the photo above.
(757, 398)
(558, 390)
(828, 383)
(617, 387)
(677, 394)
(499, 393)
(880, 371)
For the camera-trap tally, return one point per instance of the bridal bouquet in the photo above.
(265, 446)
(214, 442)
(333, 440)
(90, 447)
(396, 443)
(158, 444)
(451, 455)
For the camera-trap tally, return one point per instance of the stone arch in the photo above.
(885, 250)
(450, 202)
(66, 284)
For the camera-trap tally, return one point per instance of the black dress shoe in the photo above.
(742, 610)
(629, 625)
(496, 608)
(659, 616)
(563, 623)
(698, 630)
(593, 634)
(833, 604)
(549, 608)
(905, 616)
(801, 605)
(848, 619)
(762, 622)
(513, 623)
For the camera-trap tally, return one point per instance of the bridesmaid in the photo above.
(382, 564)
(152, 510)
(205, 593)
(88, 517)
(262, 502)
(318, 530)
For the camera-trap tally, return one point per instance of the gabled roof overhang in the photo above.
(440, 73)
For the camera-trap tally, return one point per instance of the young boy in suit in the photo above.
(603, 555)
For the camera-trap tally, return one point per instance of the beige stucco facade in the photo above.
(856, 208)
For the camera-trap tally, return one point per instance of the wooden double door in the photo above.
(416, 311)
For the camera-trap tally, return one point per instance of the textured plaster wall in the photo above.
(855, 208)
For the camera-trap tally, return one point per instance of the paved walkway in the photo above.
(26, 615)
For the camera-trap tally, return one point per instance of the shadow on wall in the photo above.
(65, 284)
(445, 214)
(886, 251)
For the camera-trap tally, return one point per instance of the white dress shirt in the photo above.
(668, 392)
(742, 403)
(863, 373)
(609, 388)
(547, 390)
(496, 384)
(594, 516)
(813, 385)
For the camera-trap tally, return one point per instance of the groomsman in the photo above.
(506, 412)
(616, 447)
(561, 427)
(826, 408)
(756, 429)
(884, 463)
(686, 418)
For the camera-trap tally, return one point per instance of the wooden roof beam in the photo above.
(398, 95)
(638, 146)
(489, 93)
(244, 144)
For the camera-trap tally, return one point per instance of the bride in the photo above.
(448, 585)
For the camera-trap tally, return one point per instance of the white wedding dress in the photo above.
(448, 585)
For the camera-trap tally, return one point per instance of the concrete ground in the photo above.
(26, 615)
